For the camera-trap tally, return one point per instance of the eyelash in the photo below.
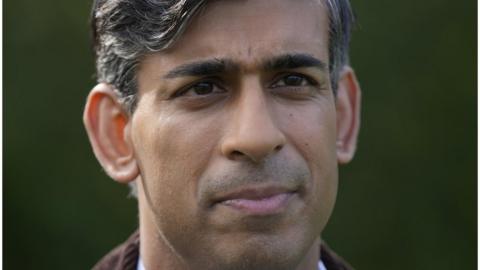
(214, 82)
(307, 79)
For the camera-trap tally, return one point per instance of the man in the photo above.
(229, 118)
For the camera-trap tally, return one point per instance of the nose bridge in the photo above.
(253, 132)
(252, 109)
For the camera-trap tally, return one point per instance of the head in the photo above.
(231, 116)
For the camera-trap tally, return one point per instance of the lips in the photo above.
(257, 200)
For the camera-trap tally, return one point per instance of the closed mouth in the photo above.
(257, 200)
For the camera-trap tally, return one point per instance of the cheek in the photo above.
(172, 151)
(312, 132)
(311, 129)
(161, 156)
(171, 155)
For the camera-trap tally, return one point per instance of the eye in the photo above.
(200, 89)
(203, 88)
(296, 86)
(293, 80)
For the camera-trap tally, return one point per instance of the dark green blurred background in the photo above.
(408, 201)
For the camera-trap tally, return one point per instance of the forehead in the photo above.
(249, 31)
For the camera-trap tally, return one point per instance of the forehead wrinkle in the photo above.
(258, 46)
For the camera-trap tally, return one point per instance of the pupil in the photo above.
(293, 80)
(203, 88)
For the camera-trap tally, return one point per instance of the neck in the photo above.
(310, 260)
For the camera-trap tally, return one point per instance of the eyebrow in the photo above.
(293, 61)
(202, 68)
(210, 67)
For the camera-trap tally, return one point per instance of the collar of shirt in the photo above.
(140, 265)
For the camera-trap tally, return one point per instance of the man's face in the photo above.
(235, 133)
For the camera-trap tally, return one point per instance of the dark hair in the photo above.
(125, 30)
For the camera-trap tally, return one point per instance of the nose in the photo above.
(253, 133)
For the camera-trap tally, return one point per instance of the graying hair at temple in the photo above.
(125, 30)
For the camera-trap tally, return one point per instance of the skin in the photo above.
(194, 139)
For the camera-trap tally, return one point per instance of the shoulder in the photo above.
(123, 257)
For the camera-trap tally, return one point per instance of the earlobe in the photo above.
(108, 129)
(348, 115)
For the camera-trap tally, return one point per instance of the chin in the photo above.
(262, 252)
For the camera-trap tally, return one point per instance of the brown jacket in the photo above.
(125, 257)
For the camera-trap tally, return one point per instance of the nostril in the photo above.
(278, 148)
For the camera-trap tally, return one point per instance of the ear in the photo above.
(108, 129)
(348, 115)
